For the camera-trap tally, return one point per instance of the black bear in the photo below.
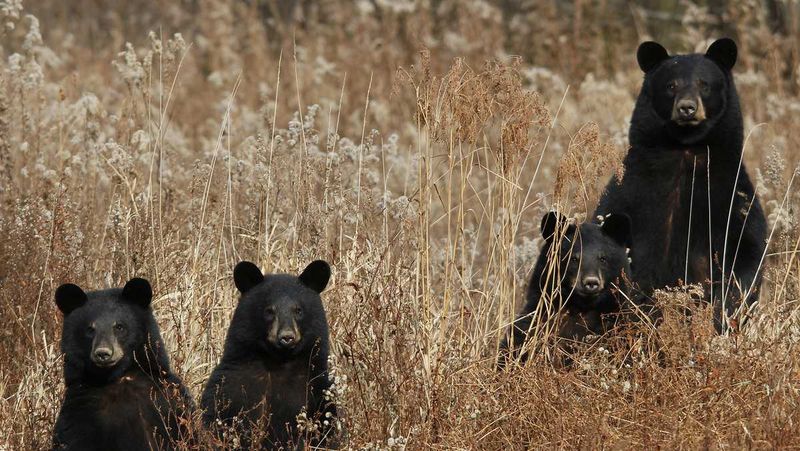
(697, 218)
(275, 363)
(120, 391)
(580, 274)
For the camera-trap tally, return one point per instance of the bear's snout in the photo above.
(106, 351)
(688, 111)
(287, 339)
(591, 285)
(103, 356)
(285, 335)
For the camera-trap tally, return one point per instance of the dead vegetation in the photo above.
(415, 146)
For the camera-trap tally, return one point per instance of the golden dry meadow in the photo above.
(414, 145)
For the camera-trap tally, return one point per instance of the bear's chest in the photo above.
(576, 326)
(668, 198)
(262, 391)
(132, 401)
(289, 392)
(679, 202)
(121, 415)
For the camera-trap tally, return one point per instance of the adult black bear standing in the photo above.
(695, 213)
(275, 363)
(579, 275)
(120, 391)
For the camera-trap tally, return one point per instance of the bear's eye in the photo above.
(90, 331)
(119, 327)
(703, 87)
(672, 86)
(298, 312)
(574, 258)
(602, 258)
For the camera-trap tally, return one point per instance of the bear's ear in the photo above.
(723, 52)
(316, 275)
(618, 227)
(138, 291)
(551, 223)
(246, 275)
(650, 54)
(69, 297)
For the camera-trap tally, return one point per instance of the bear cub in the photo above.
(578, 276)
(275, 363)
(120, 391)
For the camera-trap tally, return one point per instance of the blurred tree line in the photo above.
(572, 37)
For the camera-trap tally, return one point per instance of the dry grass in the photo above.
(402, 143)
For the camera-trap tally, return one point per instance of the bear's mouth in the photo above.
(105, 364)
(589, 294)
(688, 123)
(283, 347)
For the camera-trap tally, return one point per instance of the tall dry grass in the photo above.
(415, 146)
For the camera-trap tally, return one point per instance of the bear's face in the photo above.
(284, 313)
(688, 93)
(591, 256)
(103, 329)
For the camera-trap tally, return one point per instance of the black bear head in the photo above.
(280, 315)
(106, 332)
(592, 256)
(687, 94)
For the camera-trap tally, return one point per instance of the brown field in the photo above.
(415, 146)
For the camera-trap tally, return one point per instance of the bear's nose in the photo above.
(287, 339)
(102, 355)
(591, 284)
(687, 109)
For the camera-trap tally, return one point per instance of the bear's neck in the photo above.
(96, 377)
(244, 352)
(605, 302)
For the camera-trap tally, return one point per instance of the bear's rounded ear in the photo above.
(316, 275)
(551, 223)
(69, 297)
(618, 227)
(138, 291)
(246, 275)
(723, 52)
(650, 54)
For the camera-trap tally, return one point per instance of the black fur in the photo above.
(131, 400)
(264, 381)
(570, 257)
(674, 170)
